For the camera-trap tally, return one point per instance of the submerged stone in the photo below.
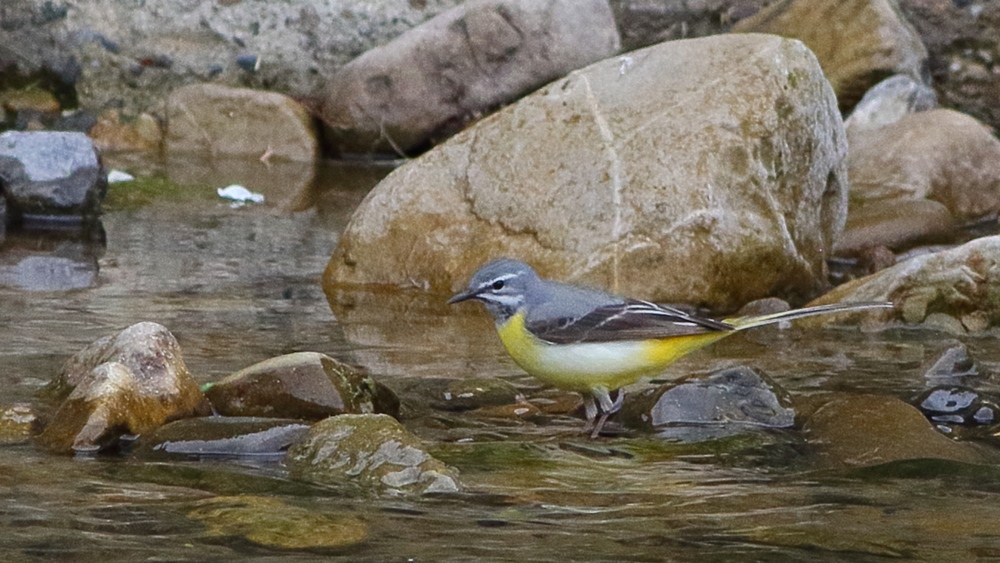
(224, 436)
(867, 430)
(956, 405)
(304, 385)
(273, 523)
(955, 362)
(16, 423)
(372, 452)
(475, 393)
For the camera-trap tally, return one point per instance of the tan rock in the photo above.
(940, 154)
(432, 80)
(208, 119)
(960, 281)
(113, 133)
(857, 42)
(707, 170)
(894, 224)
(128, 383)
(304, 385)
(867, 430)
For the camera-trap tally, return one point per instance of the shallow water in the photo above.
(239, 285)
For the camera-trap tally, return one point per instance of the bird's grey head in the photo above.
(502, 285)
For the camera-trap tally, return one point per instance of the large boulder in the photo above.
(434, 79)
(707, 170)
(858, 42)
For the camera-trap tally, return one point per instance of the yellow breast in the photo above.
(584, 366)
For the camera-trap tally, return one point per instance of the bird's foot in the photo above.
(599, 407)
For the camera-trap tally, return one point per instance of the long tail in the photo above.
(742, 323)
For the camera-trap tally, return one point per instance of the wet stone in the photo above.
(446, 394)
(957, 405)
(304, 385)
(730, 401)
(371, 452)
(224, 436)
(953, 363)
(271, 522)
(50, 175)
(476, 393)
(129, 383)
(869, 430)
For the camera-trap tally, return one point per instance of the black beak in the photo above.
(463, 296)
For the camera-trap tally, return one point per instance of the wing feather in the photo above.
(628, 320)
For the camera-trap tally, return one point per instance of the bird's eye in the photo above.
(498, 285)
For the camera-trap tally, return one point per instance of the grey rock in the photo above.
(888, 101)
(224, 436)
(51, 174)
(728, 402)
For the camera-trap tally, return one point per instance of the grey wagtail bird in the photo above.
(594, 342)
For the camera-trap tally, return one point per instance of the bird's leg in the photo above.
(605, 406)
(590, 410)
(619, 399)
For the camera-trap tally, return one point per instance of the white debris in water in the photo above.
(115, 176)
(239, 195)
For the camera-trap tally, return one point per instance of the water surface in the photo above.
(239, 285)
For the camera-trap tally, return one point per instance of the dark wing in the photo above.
(630, 320)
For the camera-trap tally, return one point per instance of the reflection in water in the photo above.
(237, 286)
(51, 260)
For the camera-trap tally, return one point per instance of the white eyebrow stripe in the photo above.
(504, 277)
